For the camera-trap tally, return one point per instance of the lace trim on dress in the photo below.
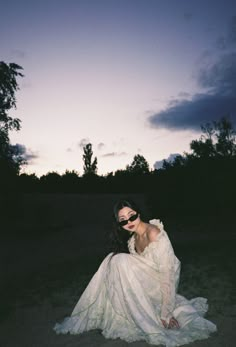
(151, 245)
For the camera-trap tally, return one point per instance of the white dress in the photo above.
(130, 294)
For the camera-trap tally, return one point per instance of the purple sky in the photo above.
(133, 76)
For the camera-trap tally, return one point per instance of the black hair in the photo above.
(124, 203)
(120, 236)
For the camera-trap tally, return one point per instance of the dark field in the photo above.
(54, 244)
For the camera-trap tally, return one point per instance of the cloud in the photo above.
(202, 109)
(158, 164)
(220, 78)
(101, 145)
(114, 154)
(217, 80)
(26, 154)
(184, 95)
(228, 41)
(83, 143)
(232, 31)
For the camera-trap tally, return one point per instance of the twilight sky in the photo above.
(129, 76)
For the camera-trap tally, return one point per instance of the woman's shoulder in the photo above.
(153, 232)
(156, 229)
(157, 223)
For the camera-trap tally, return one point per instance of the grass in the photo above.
(207, 271)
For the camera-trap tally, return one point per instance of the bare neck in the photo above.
(141, 229)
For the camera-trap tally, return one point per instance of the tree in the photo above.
(28, 182)
(225, 134)
(70, 175)
(217, 140)
(70, 181)
(179, 161)
(8, 88)
(10, 157)
(51, 182)
(90, 167)
(139, 165)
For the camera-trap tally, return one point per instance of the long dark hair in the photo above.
(119, 236)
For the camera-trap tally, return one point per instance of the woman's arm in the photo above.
(166, 263)
(165, 258)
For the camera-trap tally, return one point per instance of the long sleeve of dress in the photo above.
(167, 279)
(169, 267)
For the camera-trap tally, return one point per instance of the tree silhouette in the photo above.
(218, 139)
(90, 166)
(139, 165)
(28, 183)
(50, 182)
(8, 87)
(200, 182)
(225, 134)
(10, 156)
(70, 181)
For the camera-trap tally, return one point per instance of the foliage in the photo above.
(10, 156)
(139, 165)
(28, 182)
(70, 175)
(200, 182)
(225, 134)
(8, 88)
(218, 139)
(90, 166)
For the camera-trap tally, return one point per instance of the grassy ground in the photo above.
(207, 270)
(44, 273)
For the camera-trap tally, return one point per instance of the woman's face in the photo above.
(124, 215)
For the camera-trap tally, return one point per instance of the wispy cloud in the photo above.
(83, 142)
(229, 40)
(101, 145)
(114, 154)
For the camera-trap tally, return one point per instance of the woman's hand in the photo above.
(164, 323)
(173, 323)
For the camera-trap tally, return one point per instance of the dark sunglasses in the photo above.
(131, 219)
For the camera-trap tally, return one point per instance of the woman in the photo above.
(133, 296)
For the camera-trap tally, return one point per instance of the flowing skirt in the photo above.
(123, 299)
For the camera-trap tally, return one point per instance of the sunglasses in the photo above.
(131, 219)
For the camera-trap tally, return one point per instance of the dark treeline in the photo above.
(199, 182)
